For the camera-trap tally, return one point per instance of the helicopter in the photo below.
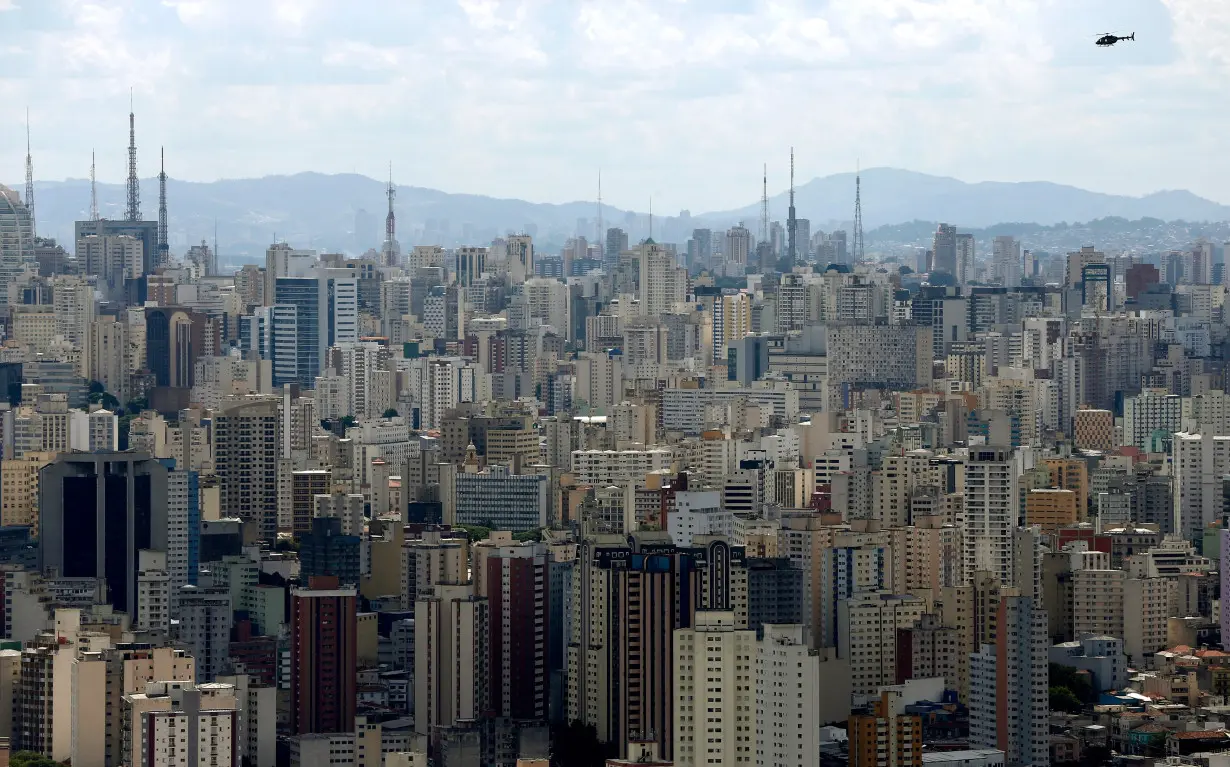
(1107, 39)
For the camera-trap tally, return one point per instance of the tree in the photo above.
(1063, 699)
(31, 759)
(390, 413)
(528, 535)
(474, 532)
(348, 421)
(577, 745)
(96, 387)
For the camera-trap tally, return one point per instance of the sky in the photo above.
(681, 101)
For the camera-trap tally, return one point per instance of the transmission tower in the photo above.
(30, 179)
(390, 224)
(858, 250)
(93, 191)
(791, 221)
(164, 247)
(134, 185)
(601, 234)
(764, 206)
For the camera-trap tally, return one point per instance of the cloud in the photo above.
(681, 99)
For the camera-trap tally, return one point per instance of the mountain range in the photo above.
(345, 212)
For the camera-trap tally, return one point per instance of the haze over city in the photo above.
(681, 101)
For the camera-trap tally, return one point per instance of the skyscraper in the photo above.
(96, 512)
(517, 588)
(246, 450)
(322, 657)
(1008, 686)
(944, 250)
(16, 239)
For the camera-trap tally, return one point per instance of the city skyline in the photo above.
(976, 94)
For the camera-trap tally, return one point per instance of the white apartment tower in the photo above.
(714, 695)
(992, 500)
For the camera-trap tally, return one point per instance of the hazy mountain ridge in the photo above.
(321, 211)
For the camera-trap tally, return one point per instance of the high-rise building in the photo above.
(517, 585)
(16, 240)
(247, 446)
(992, 501)
(1006, 261)
(663, 285)
(867, 636)
(176, 723)
(206, 616)
(966, 256)
(451, 664)
(945, 250)
(888, 736)
(96, 512)
(1008, 686)
(323, 644)
(715, 694)
(797, 692)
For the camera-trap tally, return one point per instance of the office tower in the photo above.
(1139, 277)
(548, 302)
(96, 512)
(322, 657)
(174, 339)
(992, 500)
(944, 250)
(451, 646)
(325, 313)
(1008, 686)
(887, 736)
(747, 359)
(1006, 261)
(714, 695)
(663, 285)
(516, 502)
(1151, 411)
(175, 723)
(16, 240)
(700, 248)
(775, 593)
(517, 587)
(469, 265)
(246, 450)
(1078, 260)
(867, 627)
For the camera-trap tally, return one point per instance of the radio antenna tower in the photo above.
(134, 186)
(857, 250)
(30, 179)
(164, 247)
(93, 191)
(792, 222)
(601, 238)
(390, 224)
(651, 217)
(764, 206)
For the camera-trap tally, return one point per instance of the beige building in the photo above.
(450, 659)
(798, 690)
(1094, 429)
(19, 490)
(178, 723)
(1097, 602)
(1051, 509)
(714, 695)
(926, 556)
(1146, 609)
(867, 626)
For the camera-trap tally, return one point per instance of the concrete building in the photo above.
(1094, 429)
(322, 657)
(1051, 509)
(867, 636)
(179, 723)
(247, 446)
(796, 694)
(452, 642)
(1151, 411)
(992, 501)
(1199, 461)
(1008, 686)
(1101, 656)
(714, 692)
(96, 512)
(888, 736)
(205, 620)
